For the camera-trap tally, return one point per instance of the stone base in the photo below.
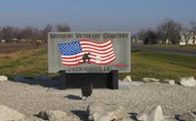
(98, 80)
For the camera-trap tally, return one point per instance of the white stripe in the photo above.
(96, 44)
(102, 57)
(70, 63)
(98, 48)
(90, 55)
(106, 54)
(94, 57)
(96, 51)
(108, 57)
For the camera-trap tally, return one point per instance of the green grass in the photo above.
(183, 47)
(162, 65)
(144, 64)
(27, 63)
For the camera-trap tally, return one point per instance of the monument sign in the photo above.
(80, 52)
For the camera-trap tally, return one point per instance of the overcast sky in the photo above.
(96, 15)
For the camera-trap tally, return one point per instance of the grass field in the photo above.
(144, 64)
(162, 65)
(27, 63)
(13, 47)
(183, 47)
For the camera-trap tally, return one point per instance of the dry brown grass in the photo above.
(28, 63)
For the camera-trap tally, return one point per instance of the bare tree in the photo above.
(169, 29)
(148, 36)
(47, 29)
(29, 33)
(193, 26)
(8, 33)
(193, 29)
(63, 28)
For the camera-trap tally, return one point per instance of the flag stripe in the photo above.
(103, 55)
(98, 52)
(95, 43)
(92, 57)
(72, 56)
(105, 45)
(97, 48)
(92, 54)
(91, 61)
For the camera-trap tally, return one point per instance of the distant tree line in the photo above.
(30, 33)
(169, 30)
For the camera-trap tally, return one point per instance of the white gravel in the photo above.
(31, 99)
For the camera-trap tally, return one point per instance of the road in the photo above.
(163, 49)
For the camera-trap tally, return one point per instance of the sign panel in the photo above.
(89, 51)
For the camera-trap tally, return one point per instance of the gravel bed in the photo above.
(31, 99)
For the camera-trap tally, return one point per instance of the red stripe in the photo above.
(98, 52)
(102, 56)
(85, 40)
(90, 54)
(96, 49)
(96, 45)
(107, 59)
(102, 53)
(72, 64)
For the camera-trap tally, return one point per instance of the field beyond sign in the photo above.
(162, 65)
(144, 64)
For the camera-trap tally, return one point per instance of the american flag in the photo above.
(100, 53)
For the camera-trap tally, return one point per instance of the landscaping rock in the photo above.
(3, 78)
(189, 116)
(57, 116)
(119, 113)
(8, 114)
(171, 82)
(127, 79)
(155, 114)
(168, 81)
(99, 112)
(147, 80)
(188, 81)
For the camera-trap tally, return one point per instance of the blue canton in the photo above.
(71, 48)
